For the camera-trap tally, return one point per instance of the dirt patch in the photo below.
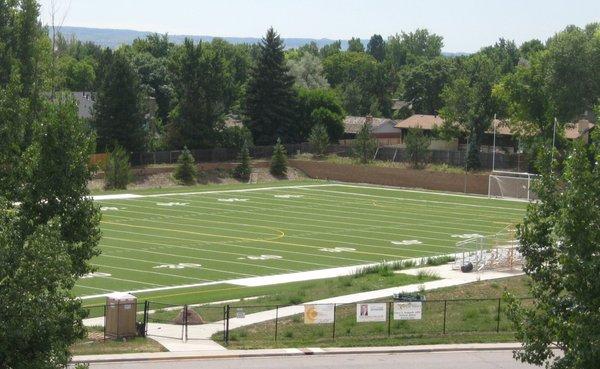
(411, 178)
(208, 173)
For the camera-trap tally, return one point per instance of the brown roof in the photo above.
(575, 130)
(426, 122)
(354, 124)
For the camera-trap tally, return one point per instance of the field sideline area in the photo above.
(162, 240)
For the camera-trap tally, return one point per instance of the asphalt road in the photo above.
(440, 360)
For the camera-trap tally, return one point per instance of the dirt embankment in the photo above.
(439, 181)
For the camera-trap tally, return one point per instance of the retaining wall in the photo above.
(439, 181)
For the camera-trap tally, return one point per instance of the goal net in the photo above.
(511, 185)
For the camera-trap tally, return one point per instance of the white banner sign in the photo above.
(371, 313)
(319, 314)
(408, 310)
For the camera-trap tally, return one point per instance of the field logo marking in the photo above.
(232, 200)
(261, 257)
(172, 204)
(178, 266)
(406, 242)
(288, 196)
(338, 249)
(467, 236)
(109, 208)
(95, 275)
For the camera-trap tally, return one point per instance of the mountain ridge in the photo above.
(115, 37)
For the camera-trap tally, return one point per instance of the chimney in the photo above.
(582, 125)
(369, 119)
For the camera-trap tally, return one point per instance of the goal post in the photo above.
(511, 185)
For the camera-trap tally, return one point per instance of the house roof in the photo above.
(575, 130)
(233, 121)
(423, 121)
(353, 124)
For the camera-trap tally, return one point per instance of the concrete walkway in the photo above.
(199, 336)
(216, 354)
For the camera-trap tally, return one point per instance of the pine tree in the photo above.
(417, 146)
(365, 144)
(117, 169)
(243, 170)
(118, 116)
(279, 160)
(186, 171)
(318, 140)
(270, 97)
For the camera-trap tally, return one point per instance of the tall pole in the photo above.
(494, 151)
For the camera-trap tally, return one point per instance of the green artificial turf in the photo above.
(170, 238)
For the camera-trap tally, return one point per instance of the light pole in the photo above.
(494, 150)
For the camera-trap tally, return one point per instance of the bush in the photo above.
(186, 171)
(279, 160)
(243, 170)
(318, 140)
(417, 146)
(117, 169)
(365, 144)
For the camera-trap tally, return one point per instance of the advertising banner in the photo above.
(319, 314)
(371, 313)
(408, 310)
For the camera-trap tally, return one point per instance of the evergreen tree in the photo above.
(243, 170)
(118, 116)
(270, 97)
(199, 80)
(318, 140)
(365, 145)
(186, 171)
(117, 169)
(417, 145)
(279, 160)
(376, 47)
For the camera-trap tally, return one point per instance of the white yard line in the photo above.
(268, 280)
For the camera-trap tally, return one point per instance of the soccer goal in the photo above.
(511, 185)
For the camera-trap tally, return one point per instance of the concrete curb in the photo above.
(236, 354)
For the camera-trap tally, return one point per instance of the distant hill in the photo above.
(115, 37)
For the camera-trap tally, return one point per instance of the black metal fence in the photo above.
(235, 323)
(456, 158)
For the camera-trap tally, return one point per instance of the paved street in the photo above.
(427, 360)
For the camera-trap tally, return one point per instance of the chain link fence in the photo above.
(455, 158)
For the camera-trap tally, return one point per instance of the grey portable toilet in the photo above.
(120, 317)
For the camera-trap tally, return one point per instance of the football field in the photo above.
(162, 240)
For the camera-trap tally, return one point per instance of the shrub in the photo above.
(186, 171)
(117, 169)
(318, 140)
(243, 170)
(417, 146)
(279, 160)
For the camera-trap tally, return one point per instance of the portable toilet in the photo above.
(120, 317)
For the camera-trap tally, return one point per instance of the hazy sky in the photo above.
(466, 25)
